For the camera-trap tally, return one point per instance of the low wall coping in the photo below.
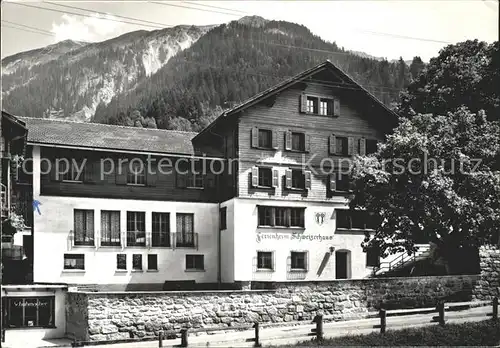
(190, 292)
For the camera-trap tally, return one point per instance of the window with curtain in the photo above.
(83, 227)
(185, 230)
(110, 228)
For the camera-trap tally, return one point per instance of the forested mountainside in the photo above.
(183, 77)
(69, 79)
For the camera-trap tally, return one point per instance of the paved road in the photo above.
(291, 335)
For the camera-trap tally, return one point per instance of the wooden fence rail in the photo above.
(318, 331)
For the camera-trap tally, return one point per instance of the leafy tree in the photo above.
(462, 74)
(436, 178)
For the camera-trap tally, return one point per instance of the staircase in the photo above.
(402, 261)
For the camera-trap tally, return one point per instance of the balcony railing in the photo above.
(83, 238)
(136, 238)
(186, 240)
(160, 239)
(110, 238)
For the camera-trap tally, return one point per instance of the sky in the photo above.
(390, 29)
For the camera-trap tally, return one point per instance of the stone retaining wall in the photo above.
(488, 285)
(113, 316)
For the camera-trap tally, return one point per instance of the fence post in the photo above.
(160, 339)
(383, 323)
(440, 308)
(257, 338)
(319, 327)
(184, 337)
(495, 308)
(3, 335)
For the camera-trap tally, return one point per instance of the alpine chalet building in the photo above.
(256, 196)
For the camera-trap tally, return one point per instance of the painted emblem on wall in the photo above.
(320, 218)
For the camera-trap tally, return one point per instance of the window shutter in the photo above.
(306, 260)
(254, 263)
(275, 139)
(288, 263)
(333, 145)
(288, 140)
(307, 143)
(288, 178)
(54, 175)
(336, 107)
(153, 176)
(181, 180)
(121, 174)
(362, 146)
(274, 261)
(303, 103)
(88, 172)
(210, 180)
(307, 177)
(275, 178)
(333, 183)
(288, 217)
(255, 137)
(350, 146)
(255, 176)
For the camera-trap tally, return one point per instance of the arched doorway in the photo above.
(342, 264)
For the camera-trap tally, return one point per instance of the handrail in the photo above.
(398, 262)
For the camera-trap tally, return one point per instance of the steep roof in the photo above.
(15, 120)
(346, 79)
(103, 136)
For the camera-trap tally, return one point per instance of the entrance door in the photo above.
(341, 264)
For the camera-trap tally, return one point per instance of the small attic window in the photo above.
(326, 107)
(312, 105)
(317, 105)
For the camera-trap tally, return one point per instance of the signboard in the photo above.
(293, 237)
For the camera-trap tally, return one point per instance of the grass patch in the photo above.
(483, 333)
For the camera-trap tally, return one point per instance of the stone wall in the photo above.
(113, 316)
(488, 286)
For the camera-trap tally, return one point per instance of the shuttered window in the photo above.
(137, 173)
(319, 106)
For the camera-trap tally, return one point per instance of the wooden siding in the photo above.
(285, 116)
(162, 187)
(222, 141)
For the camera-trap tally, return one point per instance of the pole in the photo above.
(184, 337)
(440, 307)
(160, 339)
(319, 327)
(495, 308)
(383, 321)
(257, 334)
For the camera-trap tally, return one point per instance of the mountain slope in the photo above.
(232, 62)
(70, 79)
(177, 78)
